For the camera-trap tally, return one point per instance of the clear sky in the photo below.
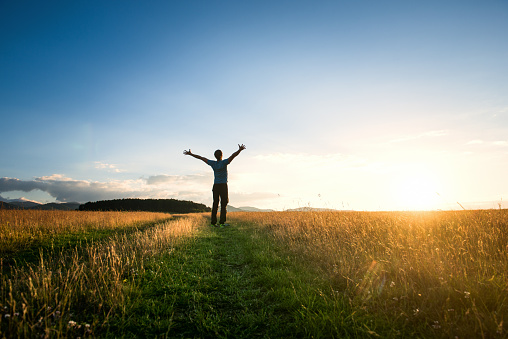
(365, 105)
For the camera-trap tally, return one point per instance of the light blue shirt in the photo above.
(220, 170)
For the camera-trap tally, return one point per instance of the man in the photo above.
(220, 183)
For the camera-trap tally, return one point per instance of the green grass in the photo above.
(231, 283)
(280, 279)
(30, 253)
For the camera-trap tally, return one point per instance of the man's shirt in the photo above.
(220, 170)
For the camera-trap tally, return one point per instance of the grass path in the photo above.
(229, 283)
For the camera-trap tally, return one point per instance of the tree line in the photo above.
(150, 205)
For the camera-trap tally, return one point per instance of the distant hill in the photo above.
(13, 204)
(311, 209)
(151, 205)
(300, 209)
(66, 206)
(247, 209)
(6, 206)
(24, 203)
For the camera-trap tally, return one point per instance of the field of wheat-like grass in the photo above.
(445, 270)
(87, 281)
(21, 228)
(423, 274)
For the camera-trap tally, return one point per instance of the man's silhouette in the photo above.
(220, 183)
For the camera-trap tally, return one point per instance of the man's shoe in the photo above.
(222, 225)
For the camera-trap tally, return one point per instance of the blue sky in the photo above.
(366, 105)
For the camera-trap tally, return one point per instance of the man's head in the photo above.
(218, 154)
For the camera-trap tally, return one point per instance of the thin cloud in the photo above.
(335, 159)
(475, 142)
(429, 134)
(108, 167)
(501, 143)
(164, 179)
(498, 143)
(255, 198)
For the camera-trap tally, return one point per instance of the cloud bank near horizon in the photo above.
(69, 190)
(187, 187)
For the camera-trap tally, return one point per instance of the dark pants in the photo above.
(220, 191)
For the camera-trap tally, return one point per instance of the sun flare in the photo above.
(417, 191)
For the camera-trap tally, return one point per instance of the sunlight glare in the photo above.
(417, 191)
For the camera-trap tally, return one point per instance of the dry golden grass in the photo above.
(45, 299)
(20, 228)
(444, 269)
(443, 273)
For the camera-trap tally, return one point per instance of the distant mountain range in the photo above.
(313, 209)
(26, 204)
(69, 206)
(301, 209)
(247, 209)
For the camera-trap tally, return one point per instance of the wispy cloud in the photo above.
(501, 143)
(164, 179)
(314, 160)
(108, 167)
(254, 199)
(498, 143)
(429, 134)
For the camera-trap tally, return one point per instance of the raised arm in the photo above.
(240, 148)
(195, 156)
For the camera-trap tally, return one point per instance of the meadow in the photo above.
(440, 274)
(271, 275)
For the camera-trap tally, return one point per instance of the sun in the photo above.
(416, 191)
